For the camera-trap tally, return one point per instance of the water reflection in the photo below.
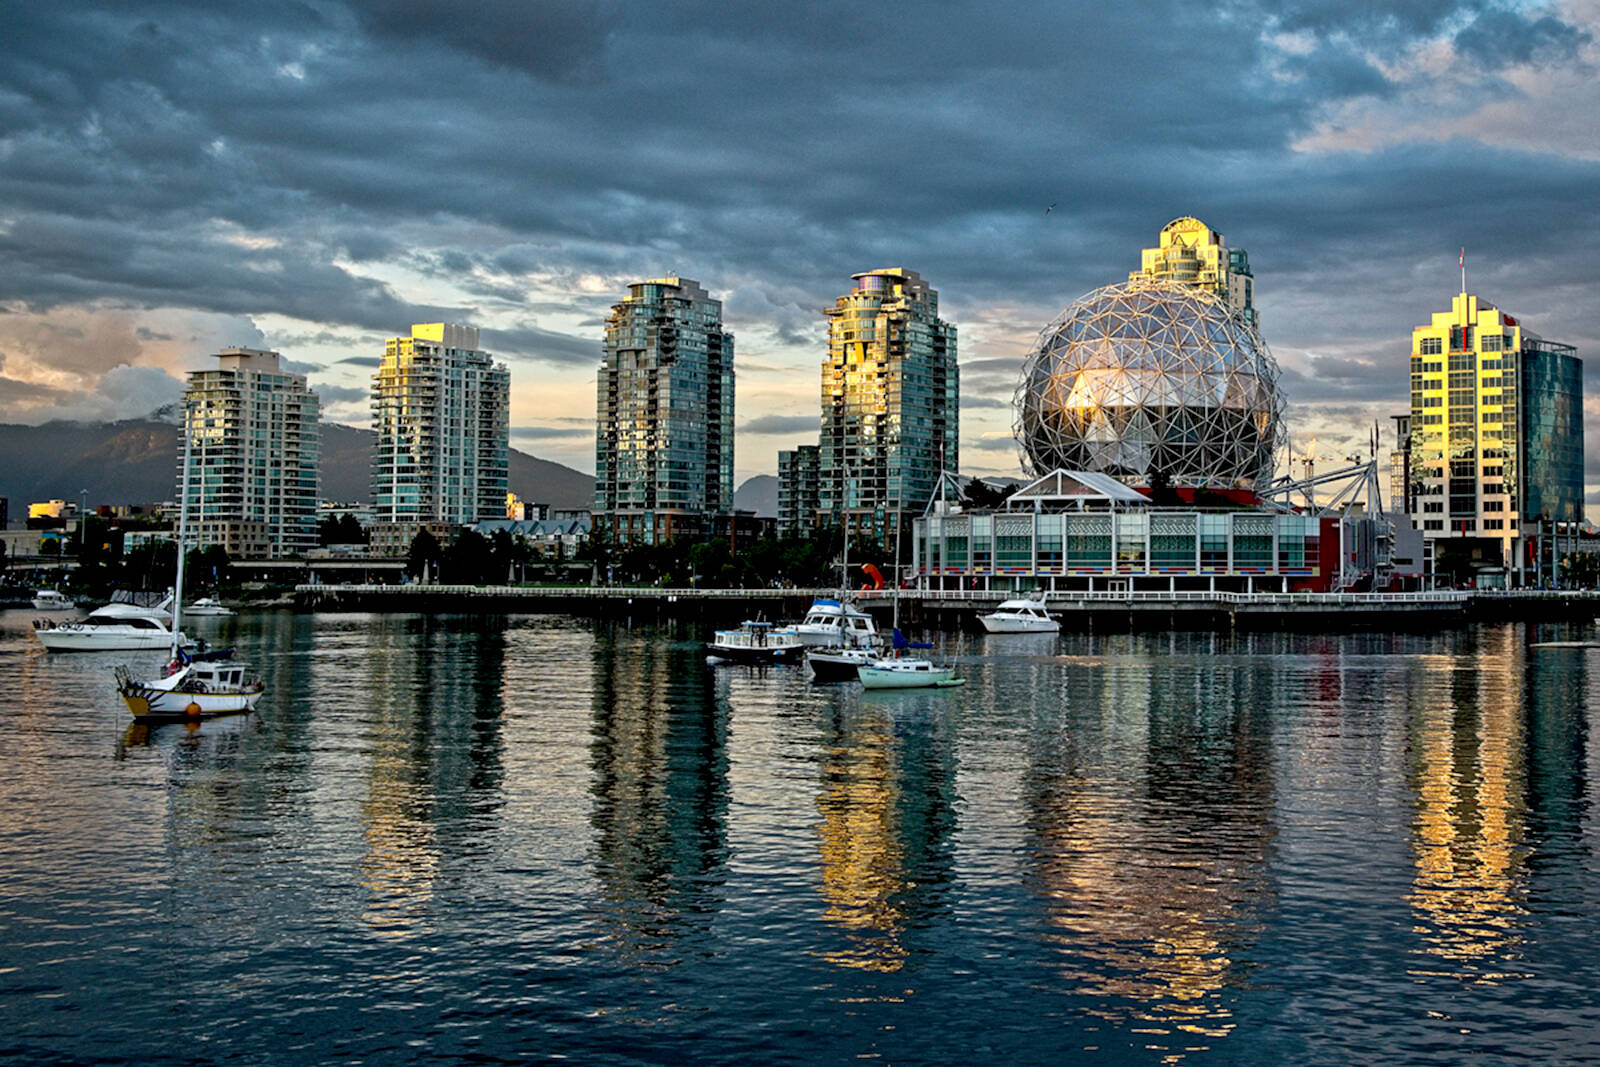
(1470, 847)
(888, 773)
(1150, 814)
(660, 785)
(432, 734)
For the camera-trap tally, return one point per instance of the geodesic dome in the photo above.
(1150, 376)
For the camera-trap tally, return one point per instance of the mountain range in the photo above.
(135, 461)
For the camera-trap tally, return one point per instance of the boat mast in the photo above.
(183, 524)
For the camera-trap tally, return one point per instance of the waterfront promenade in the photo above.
(957, 609)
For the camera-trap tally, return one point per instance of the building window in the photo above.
(1431, 346)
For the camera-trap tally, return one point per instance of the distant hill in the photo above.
(136, 462)
(758, 494)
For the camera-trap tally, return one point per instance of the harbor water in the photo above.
(509, 839)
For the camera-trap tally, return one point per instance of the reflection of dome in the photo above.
(1151, 376)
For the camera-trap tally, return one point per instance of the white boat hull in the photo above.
(906, 674)
(96, 639)
(186, 695)
(1015, 624)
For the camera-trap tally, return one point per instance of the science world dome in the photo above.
(1151, 376)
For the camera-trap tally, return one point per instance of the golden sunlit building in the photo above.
(1496, 441)
(441, 408)
(890, 389)
(1192, 253)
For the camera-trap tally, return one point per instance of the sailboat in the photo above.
(192, 687)
(904, 672)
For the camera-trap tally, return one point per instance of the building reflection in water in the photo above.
(660, 785)
(434, 777)
(1150, 813)
(888, 780)
(1498, 735)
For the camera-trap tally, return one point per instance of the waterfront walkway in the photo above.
(954, 608)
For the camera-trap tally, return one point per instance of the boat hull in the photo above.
(66, 639)
(746, 654)
(1014, 625)
(834, 666)
(903, 678)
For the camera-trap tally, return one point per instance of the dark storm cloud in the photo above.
(371, 362)
(781, 424)
(339, 394)
(287, 158)
(555, 40)
(1499, 38)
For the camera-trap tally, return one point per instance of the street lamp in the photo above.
(83, 522)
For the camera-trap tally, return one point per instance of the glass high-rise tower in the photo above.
(255, 457)
(890, 389)
(664, 419)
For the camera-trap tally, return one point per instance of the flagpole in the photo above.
(1463, 269)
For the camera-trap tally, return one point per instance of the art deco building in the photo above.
(254, 457)
(798, 474)
(664, 418)
(890, 389)
(1496, 444)
(441, 408)
(1192, 253)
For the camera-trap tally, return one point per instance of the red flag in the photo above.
(1463, 257)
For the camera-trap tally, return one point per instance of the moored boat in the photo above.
(52, 600)
(207, 606)
(112, 628)
(906, 672)
(195, 689)
(837, 664)
(192, 687)
(830, 623)
(755, 641)
(1020, 616)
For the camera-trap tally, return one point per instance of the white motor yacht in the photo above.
(209, 606)
(833, 623)
(1022, 616)
(113, 628)
(52, 600)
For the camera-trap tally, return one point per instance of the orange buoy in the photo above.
(193, 710)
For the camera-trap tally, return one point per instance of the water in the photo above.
(540, 838)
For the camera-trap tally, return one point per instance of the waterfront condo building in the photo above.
(1496, 436)
(441, 408)
(664, 416)
(254, 457)
(1192, 253)
(798, 473)
(890, 389)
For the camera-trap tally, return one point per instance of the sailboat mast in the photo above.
(183, 528)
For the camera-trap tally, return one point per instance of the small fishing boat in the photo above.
(52, 600)
(192, 687)
(755, 641)
(1021, 616)
(196, 688)
(207, 606)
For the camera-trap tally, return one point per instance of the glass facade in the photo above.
(664, 422)
(1060, 551)
(255, 457)
(1552, 432)
(890, 389)
(442, 412)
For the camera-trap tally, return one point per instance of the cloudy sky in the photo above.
(316, 175)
